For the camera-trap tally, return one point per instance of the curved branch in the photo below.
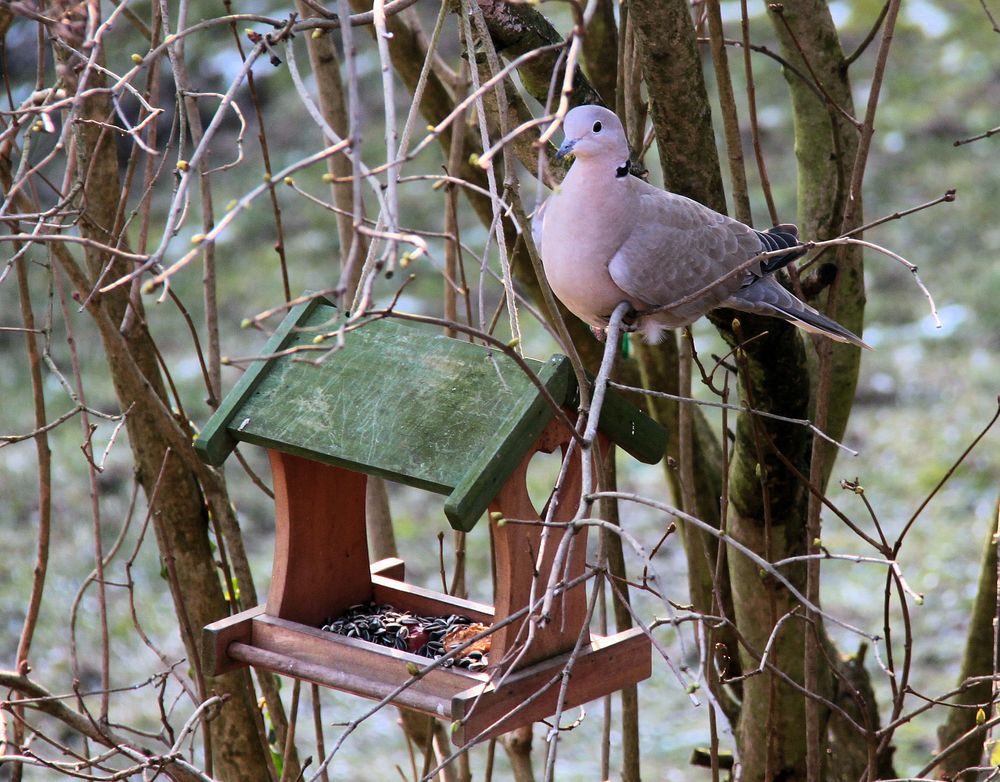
(37, 697)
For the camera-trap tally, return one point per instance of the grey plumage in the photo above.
(608, 237)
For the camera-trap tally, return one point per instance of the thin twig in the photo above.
(736, 408)
(749, 553)
(987, 134)
(866, 41)
(945, 478)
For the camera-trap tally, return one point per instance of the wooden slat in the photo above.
(427, 602)
(347, 681)
(216, 441)
(519, 553)
(627, 425)
(390, 567)
(375, 670)
(216, 637)
(497, 461)
(608, 664)
(630, 428)
(320, 549)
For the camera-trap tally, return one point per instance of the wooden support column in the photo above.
(321, 562)
(517, 548)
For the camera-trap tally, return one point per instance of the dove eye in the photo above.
(597, 127)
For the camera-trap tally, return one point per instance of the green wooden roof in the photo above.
(408, 404)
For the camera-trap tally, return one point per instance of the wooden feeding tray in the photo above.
(443, 415)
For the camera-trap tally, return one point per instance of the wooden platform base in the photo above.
(452, 694)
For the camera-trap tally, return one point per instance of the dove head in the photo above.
(594, 132)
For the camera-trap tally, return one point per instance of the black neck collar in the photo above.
(622, 170)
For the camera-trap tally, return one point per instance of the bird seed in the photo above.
(426, 636)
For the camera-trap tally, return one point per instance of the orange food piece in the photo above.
(460, 635)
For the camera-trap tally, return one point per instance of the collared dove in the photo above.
(607, 237)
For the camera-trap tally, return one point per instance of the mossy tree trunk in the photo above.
(979, 663)
(826, 146)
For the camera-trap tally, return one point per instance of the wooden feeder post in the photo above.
(516, 551)
(443, 415)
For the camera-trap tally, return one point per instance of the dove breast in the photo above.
(583, 228)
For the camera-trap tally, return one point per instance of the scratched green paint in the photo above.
(402, 402)
(390, 401)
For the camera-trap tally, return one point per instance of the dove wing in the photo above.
(678, 247)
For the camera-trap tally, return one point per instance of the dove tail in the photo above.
(812, 321)
(768, 297)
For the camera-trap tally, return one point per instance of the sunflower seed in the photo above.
(386, 626)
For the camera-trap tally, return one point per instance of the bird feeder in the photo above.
(440, 414)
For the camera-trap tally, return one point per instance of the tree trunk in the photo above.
(161, 445)
(981, 660)
(826, 145)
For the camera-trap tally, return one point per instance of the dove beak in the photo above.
(566, 148)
